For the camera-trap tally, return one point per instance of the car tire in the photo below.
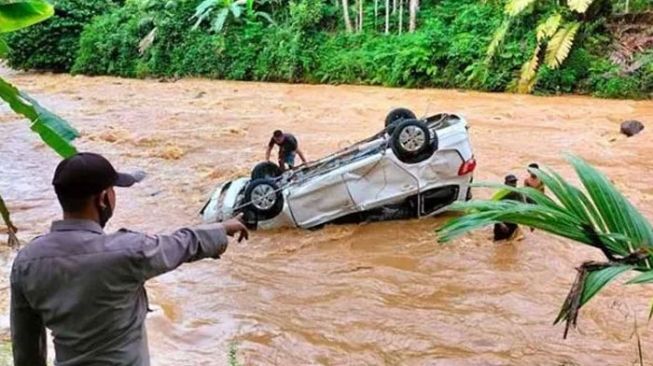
(412, 143)
(397, 115)
(266, 170)
(264, 198)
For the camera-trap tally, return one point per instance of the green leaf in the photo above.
(560, 45)
(646, 277)
(516, 7)
(54, 131)
(596, 280)
(619, 215)
(4, 48)
(18, 14)
(579, 6)
(497, 39)
(219, 21)
(548, 28)
(593, 282)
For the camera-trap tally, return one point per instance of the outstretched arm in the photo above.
(163, 253)
(301, 155)
(268, 152)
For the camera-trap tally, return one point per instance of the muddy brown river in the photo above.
(372, 294)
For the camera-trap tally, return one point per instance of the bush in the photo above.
(53, 44)
(109, 45)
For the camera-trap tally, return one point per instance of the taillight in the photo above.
(467, 167)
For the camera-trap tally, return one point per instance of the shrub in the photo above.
(109, 45)
(53, 44)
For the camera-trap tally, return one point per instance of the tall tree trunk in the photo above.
(376, 15)
(360, 15)
(387, 16)
(401, 15)
(345, 14)
(413, 5)
(394, 6)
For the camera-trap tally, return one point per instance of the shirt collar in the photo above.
(76, 225)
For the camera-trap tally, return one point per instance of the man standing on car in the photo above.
(288, 147)
(87, 286)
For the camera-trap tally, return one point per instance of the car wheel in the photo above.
(411, 142)
(397, 115)
(266, 170)
(264, 198)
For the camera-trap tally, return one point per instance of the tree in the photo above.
(53, 130)
(600, 217)
(223, 8)
(413, 7)
(387, 16)
(345, 14)
(401, 15)
(360, 15)
(556, 31)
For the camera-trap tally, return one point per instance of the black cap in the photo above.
(86, 174)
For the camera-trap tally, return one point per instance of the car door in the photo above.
(320, 199)
(378, 182)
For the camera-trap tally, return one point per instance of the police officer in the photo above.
(87, 286)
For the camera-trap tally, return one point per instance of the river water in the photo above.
(374, 294)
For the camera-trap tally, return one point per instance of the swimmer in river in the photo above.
(504, 230)
(288, 147)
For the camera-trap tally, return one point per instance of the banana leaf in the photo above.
(18, 14)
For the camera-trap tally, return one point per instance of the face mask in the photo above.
(105, 212)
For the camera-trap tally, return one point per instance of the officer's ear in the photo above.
(102, 199)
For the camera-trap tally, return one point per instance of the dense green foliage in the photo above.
(53, 45)
(307, 42)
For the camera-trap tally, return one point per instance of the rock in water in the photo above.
(631, 128)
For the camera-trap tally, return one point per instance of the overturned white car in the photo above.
(412, 168)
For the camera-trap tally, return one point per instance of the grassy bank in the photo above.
(306, 41)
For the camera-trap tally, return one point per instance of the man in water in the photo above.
(288, 148)
(504, 230)
(532, 180)
(87, 286)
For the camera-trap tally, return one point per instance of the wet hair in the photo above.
(534, 166)
(277, 133)
(71, 202)
(510, 178)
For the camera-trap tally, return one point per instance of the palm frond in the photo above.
(497, 39)
(560, 45)
(547, 28)
(579, 6)
(529, 72)
(516, 7)
(598, 216)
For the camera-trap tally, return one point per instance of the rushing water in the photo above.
(375, 294)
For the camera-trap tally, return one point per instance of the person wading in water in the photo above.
(532, 180)
(87, 286)
(288, 148)
(505, 230)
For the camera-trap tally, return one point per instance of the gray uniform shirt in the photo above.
(87, 287)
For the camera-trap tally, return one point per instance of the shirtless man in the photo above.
(532, 180)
